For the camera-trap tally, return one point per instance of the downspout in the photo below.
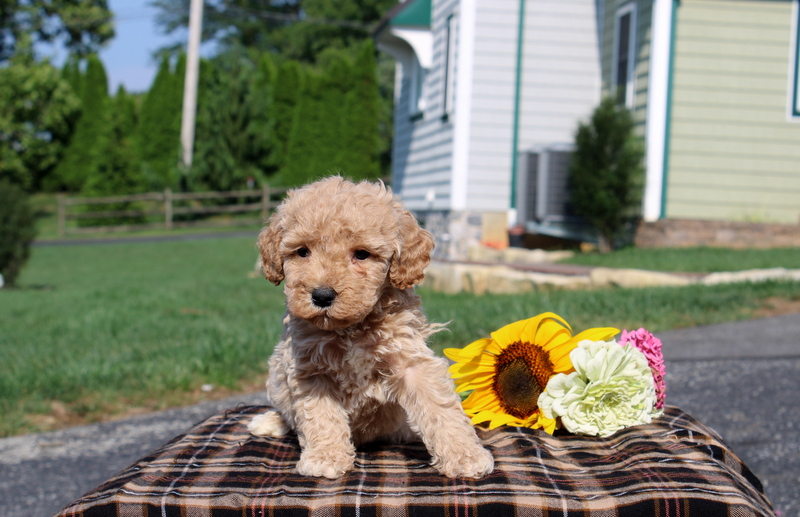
(517, 94)
(668, 125)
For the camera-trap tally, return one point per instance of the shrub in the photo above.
(16, 231)
(606, 170)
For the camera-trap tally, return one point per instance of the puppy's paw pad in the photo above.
(331, 465)
(472, 464)
(268, 424)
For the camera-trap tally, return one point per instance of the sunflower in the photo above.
(509, 371)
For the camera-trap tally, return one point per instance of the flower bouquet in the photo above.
(536, 373)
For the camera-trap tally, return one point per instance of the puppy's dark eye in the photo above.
(361, 254)
(303, 252)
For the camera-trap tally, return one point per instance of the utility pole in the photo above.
(190, 84)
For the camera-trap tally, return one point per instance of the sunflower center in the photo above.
(521, 374)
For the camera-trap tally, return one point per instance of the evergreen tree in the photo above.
(17, 231)
(307, 135)
(158, 135)
(318, 131)
(118, 171)
(301, 30)
(234, 139)
(85, 151)
(338, 82)
(606, 171)
(71, 73)
(360, 142)
(288, 87)
(267, 72)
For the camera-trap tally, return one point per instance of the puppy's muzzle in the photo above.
(323, 297)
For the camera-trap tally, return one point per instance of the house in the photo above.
(714, 85)
(489, 95)
(485, 92)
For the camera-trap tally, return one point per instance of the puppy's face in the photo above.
(334, 274)
(338, 245)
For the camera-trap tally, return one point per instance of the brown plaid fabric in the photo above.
(673, 467)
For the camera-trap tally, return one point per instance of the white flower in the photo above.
(611, 388)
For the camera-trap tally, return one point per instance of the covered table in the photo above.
(673, 466)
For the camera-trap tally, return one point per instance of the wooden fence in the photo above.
(159, 210)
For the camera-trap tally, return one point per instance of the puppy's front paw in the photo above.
(331, 464)
(470, 462)
(268, 424)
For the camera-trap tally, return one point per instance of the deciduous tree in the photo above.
(37, 112)
(83, 26)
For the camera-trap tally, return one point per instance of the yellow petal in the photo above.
(481, 399)
(536, 330)
(510, 333)
(494, 348)
(596, 334)
(503, 420)
(563, 365)
(474, 382)
(468, 353)
(560, 355)
(460, 369)
(494, 419)
(547, 424)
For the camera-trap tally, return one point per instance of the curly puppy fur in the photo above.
(352, 366)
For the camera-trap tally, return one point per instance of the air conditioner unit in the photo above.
(543, 196)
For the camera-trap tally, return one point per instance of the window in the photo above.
(449, 81)
(622, 83)
(795, 69)
(416, 101)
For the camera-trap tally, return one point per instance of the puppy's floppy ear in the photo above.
(268, 241)
(413, 255)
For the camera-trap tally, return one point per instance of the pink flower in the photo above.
(650, 346)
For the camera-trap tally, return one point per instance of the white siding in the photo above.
(561, 78)
(492, 121)
(560, 85)
(423, 149)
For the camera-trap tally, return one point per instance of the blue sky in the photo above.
(128, 57)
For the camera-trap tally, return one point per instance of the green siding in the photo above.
(735, 152)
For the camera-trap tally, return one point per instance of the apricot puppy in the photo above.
(352, 366)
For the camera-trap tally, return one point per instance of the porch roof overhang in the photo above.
(405, 32)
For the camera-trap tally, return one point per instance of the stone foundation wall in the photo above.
(684, 233)
(456, 232)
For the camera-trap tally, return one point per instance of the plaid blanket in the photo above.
(673, 467)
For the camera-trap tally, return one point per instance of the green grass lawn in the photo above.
(93, 331)
(697, 260)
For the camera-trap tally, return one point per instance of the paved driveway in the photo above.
(742, 379)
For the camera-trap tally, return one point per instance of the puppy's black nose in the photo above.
(323, 297)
